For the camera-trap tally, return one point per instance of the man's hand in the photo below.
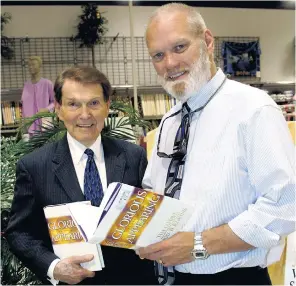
(70, 271)
(173, 251)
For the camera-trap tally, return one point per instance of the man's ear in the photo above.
(209, 39)
(108, 106)
(57, 107)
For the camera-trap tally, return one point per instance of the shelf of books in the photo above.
(154, 102)
(11, 111)
(10, 116)
(154, 106)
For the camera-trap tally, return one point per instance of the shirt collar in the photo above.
(77, 149)
(206, 91)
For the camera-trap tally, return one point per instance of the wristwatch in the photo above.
(199, 251)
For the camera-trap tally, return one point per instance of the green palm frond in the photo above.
(13, 272)
(7, 166)
(51, 131)
(25, 123)
(133, 115)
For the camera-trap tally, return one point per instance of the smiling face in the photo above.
(83, 110)
(180, 57)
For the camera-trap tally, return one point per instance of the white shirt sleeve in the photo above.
(270, 161)
(50, 272)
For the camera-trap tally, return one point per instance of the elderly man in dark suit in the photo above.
(56, 173)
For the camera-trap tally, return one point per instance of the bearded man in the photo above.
(226, 149)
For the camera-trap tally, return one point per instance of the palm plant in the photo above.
(91, 28)
(12, 270)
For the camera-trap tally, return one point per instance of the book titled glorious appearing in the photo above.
(131, 217)
(66, 238)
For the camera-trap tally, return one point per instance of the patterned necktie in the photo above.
(166, 275)
(93, 190)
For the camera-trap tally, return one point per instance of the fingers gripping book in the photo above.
(130, 217)
(66, 238)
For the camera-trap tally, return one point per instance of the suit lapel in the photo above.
(114, 160)
(64, 169)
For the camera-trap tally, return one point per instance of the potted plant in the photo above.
(6, 43)
(91, 28)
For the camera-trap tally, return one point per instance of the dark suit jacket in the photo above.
(47, 177)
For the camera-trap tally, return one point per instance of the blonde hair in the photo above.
(195, 20)
(36, 58)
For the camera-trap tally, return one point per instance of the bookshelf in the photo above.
(10, 111)
(283, 93)
(154, 102)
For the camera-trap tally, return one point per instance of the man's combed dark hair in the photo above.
(83, 75)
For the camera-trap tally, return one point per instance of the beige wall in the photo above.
(276, 29)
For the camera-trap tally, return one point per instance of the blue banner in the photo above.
(241, 59)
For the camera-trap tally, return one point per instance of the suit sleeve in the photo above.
(27, 232)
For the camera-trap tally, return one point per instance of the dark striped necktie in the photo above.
(166, 275)
(93, 190)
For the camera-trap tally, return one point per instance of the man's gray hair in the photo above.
(194, 18)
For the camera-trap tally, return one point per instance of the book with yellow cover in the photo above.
(131, 217)
(66, 238)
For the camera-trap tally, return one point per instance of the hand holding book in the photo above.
(67, 240)
(70, 271)
(130, 217)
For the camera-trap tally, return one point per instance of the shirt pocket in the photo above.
(205, 170)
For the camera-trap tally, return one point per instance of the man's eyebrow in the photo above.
(177, 42)
(97, 97)
(77, 99)
(155, 51)
(182, 40)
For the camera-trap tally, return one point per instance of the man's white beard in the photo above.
(199, 75)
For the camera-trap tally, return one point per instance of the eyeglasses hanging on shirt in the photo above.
(182, 135)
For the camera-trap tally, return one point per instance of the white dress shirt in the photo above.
(240, 170)
(79, 161)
